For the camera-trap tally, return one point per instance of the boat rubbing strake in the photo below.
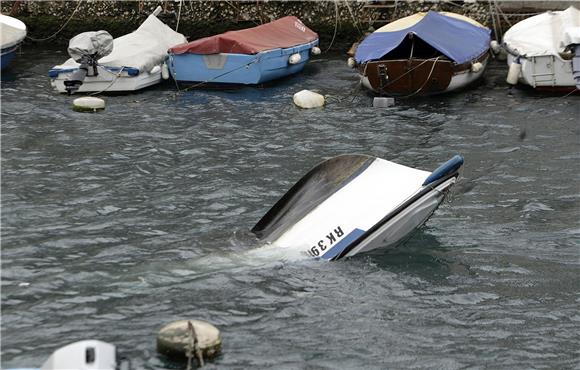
(425, 53)
(355, 203)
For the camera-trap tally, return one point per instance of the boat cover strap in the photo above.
(282, 33)
(458, 40)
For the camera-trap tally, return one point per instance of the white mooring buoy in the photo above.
(186, 339)
(308, 99)
(89, 104)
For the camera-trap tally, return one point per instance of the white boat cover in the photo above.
(543, 34)
(143, 49)
(12, 31)
(99, 43)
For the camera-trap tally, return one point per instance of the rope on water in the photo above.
(60, 29)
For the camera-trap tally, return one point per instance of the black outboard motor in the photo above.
(87, 48)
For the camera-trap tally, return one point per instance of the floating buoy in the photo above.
(476, 67)
(351, 62)
(164, 71)
(294, 58)
(89, 104)
(185, 339)
(315, 50)
(514, 72)
(308, 99)
(381, 102)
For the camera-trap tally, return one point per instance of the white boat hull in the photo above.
(545, 71)
(107, 81)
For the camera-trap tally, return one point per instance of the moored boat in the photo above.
(249, 56)
(12, 33)
(544, 51)
(128, 63)
(425, 53)
(352, 204)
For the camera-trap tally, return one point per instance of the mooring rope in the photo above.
(335, 24)
(178, 15)
(60, 29)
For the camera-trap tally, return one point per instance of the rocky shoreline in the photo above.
(338, 23)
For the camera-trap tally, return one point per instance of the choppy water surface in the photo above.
(114, 224)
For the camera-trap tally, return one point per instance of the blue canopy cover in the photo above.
(458, 40)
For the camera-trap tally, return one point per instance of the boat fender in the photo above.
(514, 72)
(351, 62)
(476, 67)
(155, 70)
(164, 71)
(448, 168)
(294, 58)
(88, 104)
(308, 99)
(495, 47)
(315, 50)
(175, 340)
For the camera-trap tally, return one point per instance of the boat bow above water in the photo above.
(425, 53)
(352, 204)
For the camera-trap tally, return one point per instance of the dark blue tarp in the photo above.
(458, 40)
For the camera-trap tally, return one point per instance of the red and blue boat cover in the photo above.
(458, 40)
(283, 33)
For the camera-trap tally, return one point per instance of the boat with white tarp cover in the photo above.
(544, 50)
(131, 62)
(12, 33)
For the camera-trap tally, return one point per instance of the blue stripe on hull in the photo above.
(340, 246)
(240, 68)
(5, 59)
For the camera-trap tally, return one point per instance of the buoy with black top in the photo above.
(189, 339)
(88, 104)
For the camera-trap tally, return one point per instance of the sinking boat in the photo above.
(425, 53)
(250, 56)
(544, 51)
(128, 63)
(352, 204)
(13, 32)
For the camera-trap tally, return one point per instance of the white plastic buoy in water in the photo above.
(476, 67)
(164, 71)
(514, 72)
(381, 102)
(294, 58)
(315, 50)
(189, 338)
(88, 104)
(308, 99)
(351, 62)
(495, 46)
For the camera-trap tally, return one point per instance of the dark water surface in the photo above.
(116, 223)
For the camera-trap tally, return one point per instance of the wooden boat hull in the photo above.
(418, 76)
